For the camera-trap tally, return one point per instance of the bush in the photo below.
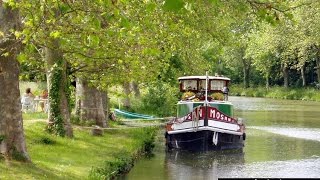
(160, 100)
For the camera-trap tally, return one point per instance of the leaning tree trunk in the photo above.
(92, 106)
(59, 112)
(285, 73)
(12, 139)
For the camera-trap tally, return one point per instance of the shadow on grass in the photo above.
(20, 170)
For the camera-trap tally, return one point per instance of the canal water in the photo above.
(283, 141)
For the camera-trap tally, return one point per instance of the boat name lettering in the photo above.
(213, 113)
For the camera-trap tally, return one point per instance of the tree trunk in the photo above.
(267, 82)
(285, 73)
(246, 72)
(127, 91)
(105, 103)
(303, 76)
(135, 89)
(59, 112)
(246, 63)
(79, 92)
(318, 68)
(92, 106)
(12, 139)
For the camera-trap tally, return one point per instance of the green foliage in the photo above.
(113, 168)
(45, 140)
(124, 160)
(160, 100)
(173, 5)
(2, 137)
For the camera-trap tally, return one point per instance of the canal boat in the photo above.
(205, 119)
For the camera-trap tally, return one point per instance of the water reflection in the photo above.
(186, 165)
(267, 104)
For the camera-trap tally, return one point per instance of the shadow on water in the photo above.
(200, 165)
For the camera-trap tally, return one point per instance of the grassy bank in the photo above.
(83, 157)
(308, 94)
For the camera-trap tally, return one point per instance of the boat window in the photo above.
(189, 85)
(217, 84)
(202, 85)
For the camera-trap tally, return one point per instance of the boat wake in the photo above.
(274, 169)
(302, 133)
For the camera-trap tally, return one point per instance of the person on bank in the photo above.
(27, 100)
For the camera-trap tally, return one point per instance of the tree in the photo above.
(91, 103)
(12, 140)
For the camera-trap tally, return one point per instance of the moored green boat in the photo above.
(205, 119)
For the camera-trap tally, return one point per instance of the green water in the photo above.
(283, 141)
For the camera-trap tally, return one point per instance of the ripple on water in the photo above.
(307, 168)
(302, 133)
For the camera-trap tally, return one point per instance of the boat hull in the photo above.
(205, 140)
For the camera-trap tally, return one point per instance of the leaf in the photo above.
(173, 5)
(215, 2)
(96, 23)
(55, 34)
(1, 34)
(151, 7)
(93, 40)
(125, 22)
(64, 8)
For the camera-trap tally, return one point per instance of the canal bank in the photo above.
(82, 157)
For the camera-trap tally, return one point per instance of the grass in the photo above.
(35, 115)
(308, 94)
(83, 157)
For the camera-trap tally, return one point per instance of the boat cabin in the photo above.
(196, 86)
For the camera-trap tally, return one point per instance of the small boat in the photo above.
(130, 115)
(205, 119)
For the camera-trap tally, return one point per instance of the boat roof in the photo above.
(204, 77)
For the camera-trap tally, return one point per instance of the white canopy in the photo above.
(204, 77)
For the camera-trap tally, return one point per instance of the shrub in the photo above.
(160, 99)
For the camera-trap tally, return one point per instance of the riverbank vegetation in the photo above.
(276, 92)
(83, 157)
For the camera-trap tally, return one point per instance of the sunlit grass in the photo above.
(63, 158)
(34, 115)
